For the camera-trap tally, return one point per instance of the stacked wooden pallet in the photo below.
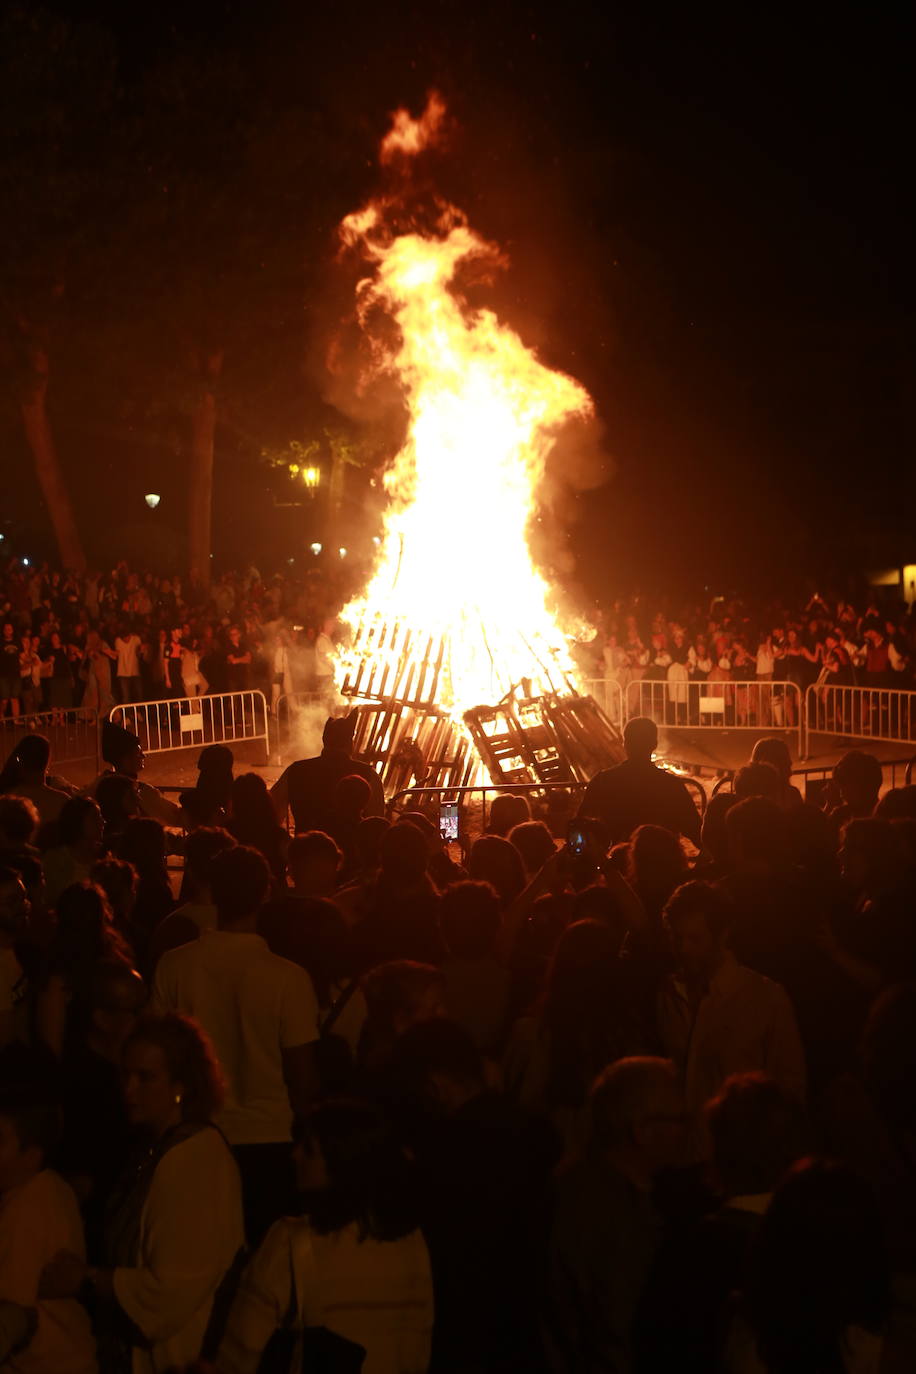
(399, 682)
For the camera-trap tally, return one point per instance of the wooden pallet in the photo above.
(396, 683)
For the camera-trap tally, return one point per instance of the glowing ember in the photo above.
(455, 604)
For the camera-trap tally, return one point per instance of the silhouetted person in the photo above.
(757, 1132)
(307, 787)
(606, 1227)
(484, 1168)
(859, 777)
(27, 776)
(636, 792)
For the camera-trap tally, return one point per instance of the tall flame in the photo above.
(484, 414)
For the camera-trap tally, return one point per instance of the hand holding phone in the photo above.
(448, 821)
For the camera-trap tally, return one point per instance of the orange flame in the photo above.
(484, 414)
(408, 136)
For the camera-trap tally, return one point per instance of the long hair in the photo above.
(370, 1182)
(190, 1058)
(84, 932)
(585, 1011)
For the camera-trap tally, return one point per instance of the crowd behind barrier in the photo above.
(104, 639)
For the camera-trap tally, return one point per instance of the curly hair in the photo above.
(190, 1058)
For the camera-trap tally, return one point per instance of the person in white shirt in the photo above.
(193, 680)
(325, 654)
(173, 1224)
(261, 1013)
(127, 647)
(281, 683)
(715, 1017)
(355, 1265)
(39, 1217)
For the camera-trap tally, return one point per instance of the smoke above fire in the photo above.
(485, 416)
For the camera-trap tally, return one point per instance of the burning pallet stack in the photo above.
(398, 678)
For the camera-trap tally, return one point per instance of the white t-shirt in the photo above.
(766, 663)
(324, 656)
(253, 1005)
(128, 655)
(38, 1219)
(378, 1294)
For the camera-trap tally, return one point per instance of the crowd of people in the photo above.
(828, 640)
(636, 1097)
(97, 640)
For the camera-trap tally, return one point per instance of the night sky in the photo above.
(708, 221)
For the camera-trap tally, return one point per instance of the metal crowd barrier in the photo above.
(191, 722)
(732, 705)
(419, 798)
(813, 777)
(72, 733)
(862, 713)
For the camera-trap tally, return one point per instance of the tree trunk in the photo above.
(203, 429)
(34, 410)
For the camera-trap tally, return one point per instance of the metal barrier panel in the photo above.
(609, 696)
(880, 713)
(732, 705)
(191, 722)
(422, 798)
(73, 735)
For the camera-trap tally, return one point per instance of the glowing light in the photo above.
(484, 414)
(152, 499)
(316, 549)
(342, 552)
(409, 136)
(311, 476)
(26, 562)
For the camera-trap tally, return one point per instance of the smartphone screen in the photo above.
(448, 821)
(576, 839)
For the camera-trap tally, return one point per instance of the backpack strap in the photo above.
(337, 1008)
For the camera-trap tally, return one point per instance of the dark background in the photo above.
(707, 217)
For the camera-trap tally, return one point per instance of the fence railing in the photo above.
(732, 705)
(862, 713)
(609, 696)
(73, 735)
(422, 798)
(190, 722)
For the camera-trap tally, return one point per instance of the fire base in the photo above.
(546, 739)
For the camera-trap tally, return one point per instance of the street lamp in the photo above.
(152, 499)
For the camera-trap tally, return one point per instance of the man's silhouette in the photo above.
(637, 793)
(307, 786)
